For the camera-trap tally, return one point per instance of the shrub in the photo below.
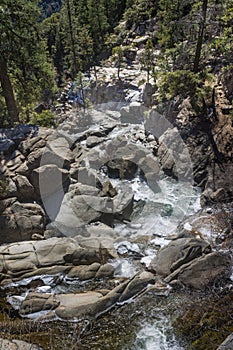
(184, 83)
(45, 118)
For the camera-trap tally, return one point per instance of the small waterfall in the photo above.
(157, 336)
(159, 213)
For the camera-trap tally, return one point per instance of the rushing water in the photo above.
(160, 213)
(159, 216)
(157, 336)
(156, 215)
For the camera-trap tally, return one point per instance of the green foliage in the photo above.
(73, 39)
(180, 82)
(98, 22)
(114, 10)
(78, 34)
(141, 82)
(148, 57)
(118, 51)
(139, 10)
(39, 84)
(28, 115)
(51, 32)
(221, 45)
(183, 83)
(3, 112)
(45, 118)
(180, 24)
(24, 51)
(78, 48)
(118, 55)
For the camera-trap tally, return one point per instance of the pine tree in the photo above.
(52, 33)
(98, 23)
(25, 68)
(200, 36)
(8, 92)
(76, 39)
(148, 58)
(187, 29)
(118, 55)
(171, 15)
(114, 10)
(73, 34)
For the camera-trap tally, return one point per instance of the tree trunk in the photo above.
(118, 72)
(200, 36)
(148, 75)
(8, 92)
(100, 27)
(95, 74)
(75, 66)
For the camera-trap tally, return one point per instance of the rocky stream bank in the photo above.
(112, 224)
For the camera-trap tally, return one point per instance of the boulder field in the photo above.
(62, 192)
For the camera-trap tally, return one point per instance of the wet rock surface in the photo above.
(88, 304)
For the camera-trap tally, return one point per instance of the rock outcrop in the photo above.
(189, 261)
(88, 304)
(204, 271)
(54, 255)
(19, 221)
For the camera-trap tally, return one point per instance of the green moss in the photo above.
(211, 339)
(206, 322)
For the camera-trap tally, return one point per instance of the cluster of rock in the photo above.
(186, 262)
(57, 176)
(57, 255)
(55, 185)
(209, 142)
(191, 262)
(88, 304)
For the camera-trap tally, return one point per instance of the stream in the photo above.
(144, 322)
(156, 219)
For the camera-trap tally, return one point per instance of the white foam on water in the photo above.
(157, 336)
(47, 280)
(126, 247)
(43, 289)
(161, 212)
(188, 227)
(16, 300)
(124, 268)
(146, 260)
(159, 241)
